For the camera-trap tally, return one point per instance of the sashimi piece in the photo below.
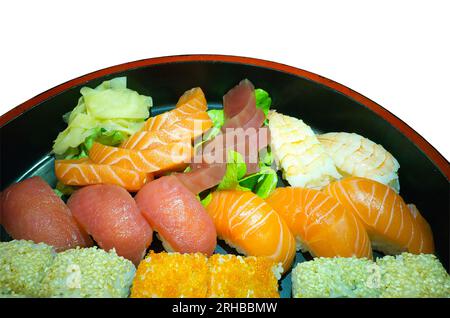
(256, 121)
(320, 223)
(203, 177)
(237, 98)
(146, 139)
(32, 211)
(239, 106)
(191, 106)
(85, 172)
(194, 98)
(172, 156)
(247, 142)
(177, 215)
(110, 214)
(156, 122)
(249, 224)
(392, 226)
(192, 125)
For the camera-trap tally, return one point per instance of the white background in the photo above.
(394, 52)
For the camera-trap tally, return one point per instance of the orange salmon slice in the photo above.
(188, 117)
(84, 172)
(172, 156)
(147, 139)
(393, 227)
(320, 223)
(253, 227)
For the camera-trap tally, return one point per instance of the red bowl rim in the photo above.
(410, 133)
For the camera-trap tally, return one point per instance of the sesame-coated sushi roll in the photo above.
(22, 267)
(87, 273)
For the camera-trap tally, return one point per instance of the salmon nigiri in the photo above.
(320, 223)
(247, 223)
(393, 227)
(83, 172)
(177, 215)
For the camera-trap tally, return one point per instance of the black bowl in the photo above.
(28, 130)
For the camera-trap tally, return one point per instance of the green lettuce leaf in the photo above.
(218, 120)
(263, 100)
(217, 116)
(261, 183)
(101, 135)
(64, 190)
(206, 200)
(236, 169)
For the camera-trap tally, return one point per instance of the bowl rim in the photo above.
(434, 155)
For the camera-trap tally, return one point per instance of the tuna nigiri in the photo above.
(177, 215)
(247, 223)
(32, 211)
(391, 225)
(84, 172)
(111, 216)
(320, 223)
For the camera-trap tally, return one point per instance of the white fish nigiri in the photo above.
(299, 154)
(357, 156)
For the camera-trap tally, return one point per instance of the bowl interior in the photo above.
(27, 139)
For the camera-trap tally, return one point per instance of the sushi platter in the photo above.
(221, 177)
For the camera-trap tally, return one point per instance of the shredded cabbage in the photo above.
(109, 114)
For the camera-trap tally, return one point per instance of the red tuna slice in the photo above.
(202, 177)
(247, 142)
(244, 112)
(237, 98)
(110, 214)
(256, 121)
(177, 215)
(32, 211)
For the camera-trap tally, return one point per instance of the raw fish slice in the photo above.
(194, 98)
(188, 124)
(146, 139)
(392, 226)
(247, 223)
(239, 106)
(156, 122)
(357, 156)
(32, 211)
(191, 102)
(256, 121)
(320, 223)
(85, 172)
(203, 177)
(177, 215)
(172, 156)
(247, 142)
(111, 216)
(237, 98)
